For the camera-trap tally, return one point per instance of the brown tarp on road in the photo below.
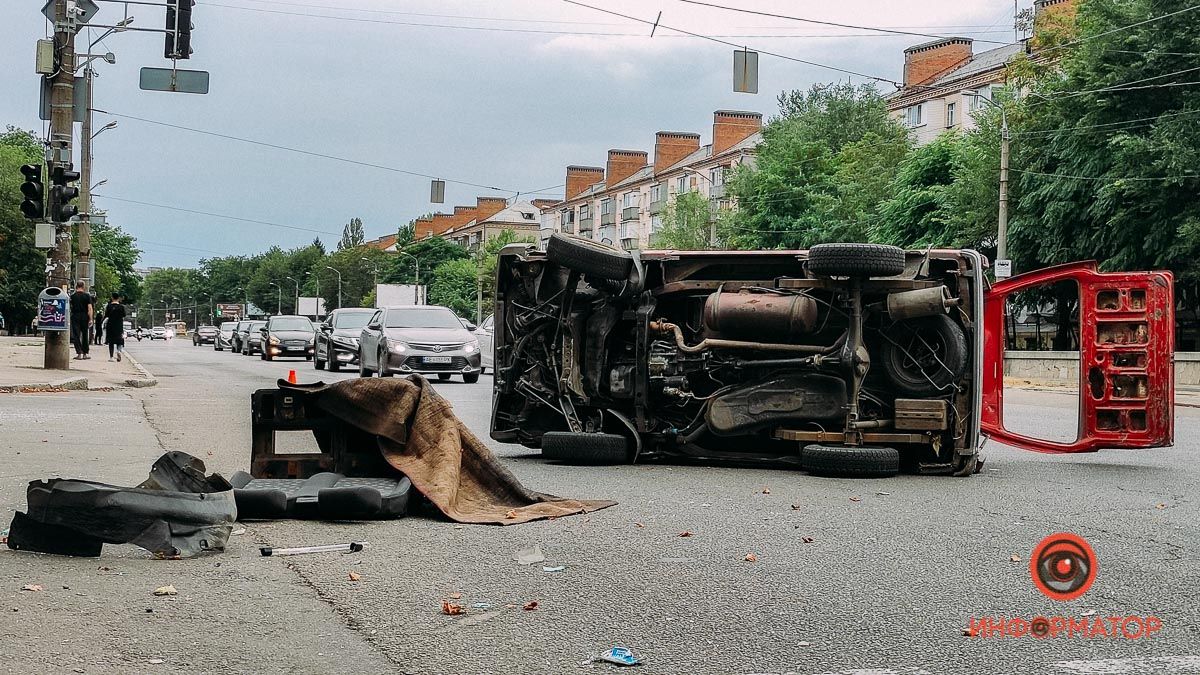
(420, 435)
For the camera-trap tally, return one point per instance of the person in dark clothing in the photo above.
(99, 338)
(114, 326)
(82, 314)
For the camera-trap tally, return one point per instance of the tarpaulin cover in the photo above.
(419, 435)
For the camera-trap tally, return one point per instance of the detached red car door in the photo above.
(1126, 351)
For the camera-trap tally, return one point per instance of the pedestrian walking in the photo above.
(82, 315)
(114, 332)
(99, 337)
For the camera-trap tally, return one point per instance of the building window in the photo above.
(605, 207)
(913, 115)
(973, 102)
(681, 185)
(629, 200)
(716, 175)
(567, 216)
(950, 110)
(655, 223)
(585, 211)
(656, 192)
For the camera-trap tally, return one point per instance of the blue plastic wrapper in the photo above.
(620, 656)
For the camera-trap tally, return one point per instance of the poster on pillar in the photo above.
(52, 310)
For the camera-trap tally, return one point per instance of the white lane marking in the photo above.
(1145, 664)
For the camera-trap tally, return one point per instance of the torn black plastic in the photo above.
(175, 513)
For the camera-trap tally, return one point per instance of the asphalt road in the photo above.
(852, 576)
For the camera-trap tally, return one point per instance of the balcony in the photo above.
(630, 213)
(716, 191)
(585, 224)
(658, 207)
(609, 218)
(568, 227)
(630, 243)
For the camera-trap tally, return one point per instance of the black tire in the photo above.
(266, 355)
(908, 359)
(362, 366)
(318, 364)
(332, 364)
(580, 448)
(444, 377)
(383, 366)
(589, 257)
(850, 462)
(471, 378)
(856, 260)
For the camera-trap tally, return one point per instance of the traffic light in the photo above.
(34, 205)
(61, 208)
(179, 29)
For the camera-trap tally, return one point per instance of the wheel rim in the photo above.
(923, 355)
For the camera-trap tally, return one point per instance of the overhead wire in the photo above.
(216, 215)
(1106, 178)
(821, 22)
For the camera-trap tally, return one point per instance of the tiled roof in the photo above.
(981, 63)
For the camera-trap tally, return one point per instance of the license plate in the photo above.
(437, 359)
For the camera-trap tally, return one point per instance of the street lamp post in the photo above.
(374, 269)
(296, 306)
(339, 306)
(278, 297)
(416, 274)
(1002, 208)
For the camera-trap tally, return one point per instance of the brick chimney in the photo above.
(486, 207)
(731, 127)
(579, 178)
(622, 164)
(672, 146)
(463, 215)
(927, 61)
(442, 222)
(423, 227)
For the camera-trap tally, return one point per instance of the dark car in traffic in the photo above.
(238, 339)
(287, 335)
(427, 339)
(251, 338)
(205, 335)
(337, 337)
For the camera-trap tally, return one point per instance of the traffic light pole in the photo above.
(62, 98)
(85, 179)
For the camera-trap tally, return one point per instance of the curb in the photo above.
(70, 384)
(147, 379)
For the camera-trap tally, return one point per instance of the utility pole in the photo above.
(62, 104)
(85, 178)
(339, 275)
(1002, 216)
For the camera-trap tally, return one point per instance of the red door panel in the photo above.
(1126, 358)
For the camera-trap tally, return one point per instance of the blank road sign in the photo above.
(745, 71)
(166, 79)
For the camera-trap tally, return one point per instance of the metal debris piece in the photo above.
(529, 555)
(622, 656)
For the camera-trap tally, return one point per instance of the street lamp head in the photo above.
(124, 22)
(110, 57)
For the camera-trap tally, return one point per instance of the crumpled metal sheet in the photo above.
(177, 512)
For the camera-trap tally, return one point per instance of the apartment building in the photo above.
(521, 216)
(945, 81)
(622, 203)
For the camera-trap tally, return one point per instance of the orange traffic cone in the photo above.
(292, 377)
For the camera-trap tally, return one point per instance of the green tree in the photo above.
(352, 235)
(916, 214)
(22, 267)
(169, 291)
(822, 170)
(432, 252)
(115, 254)
(454, 286)
(685, 224)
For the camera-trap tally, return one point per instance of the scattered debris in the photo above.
(156, 661)
(530, 606)
(807, 540)
(883, 494)
(1160, 507)
(856, 499)
(555, 568)
(452, 609)
(766, 491)
(621, 656)
(482, 605)
(354, 576)
(458, 527)
(32, 587)
(166, 590)
(511, 514)
(529, 555)
(352, 547)
(1087, 612)
(639, 524)
(750, 557)
(685, 533)
(966, 632)
(803, 644)
(456, 596)
(1015, 558)
(795, 507)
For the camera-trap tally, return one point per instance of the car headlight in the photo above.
(471, 347)
(273, 340)
(397, 346)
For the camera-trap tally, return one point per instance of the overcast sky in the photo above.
(529, 87)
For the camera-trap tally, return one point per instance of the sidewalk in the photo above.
(1185, 395)
(21, 368)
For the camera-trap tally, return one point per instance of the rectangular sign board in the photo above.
(167, 79)
(79, 95)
